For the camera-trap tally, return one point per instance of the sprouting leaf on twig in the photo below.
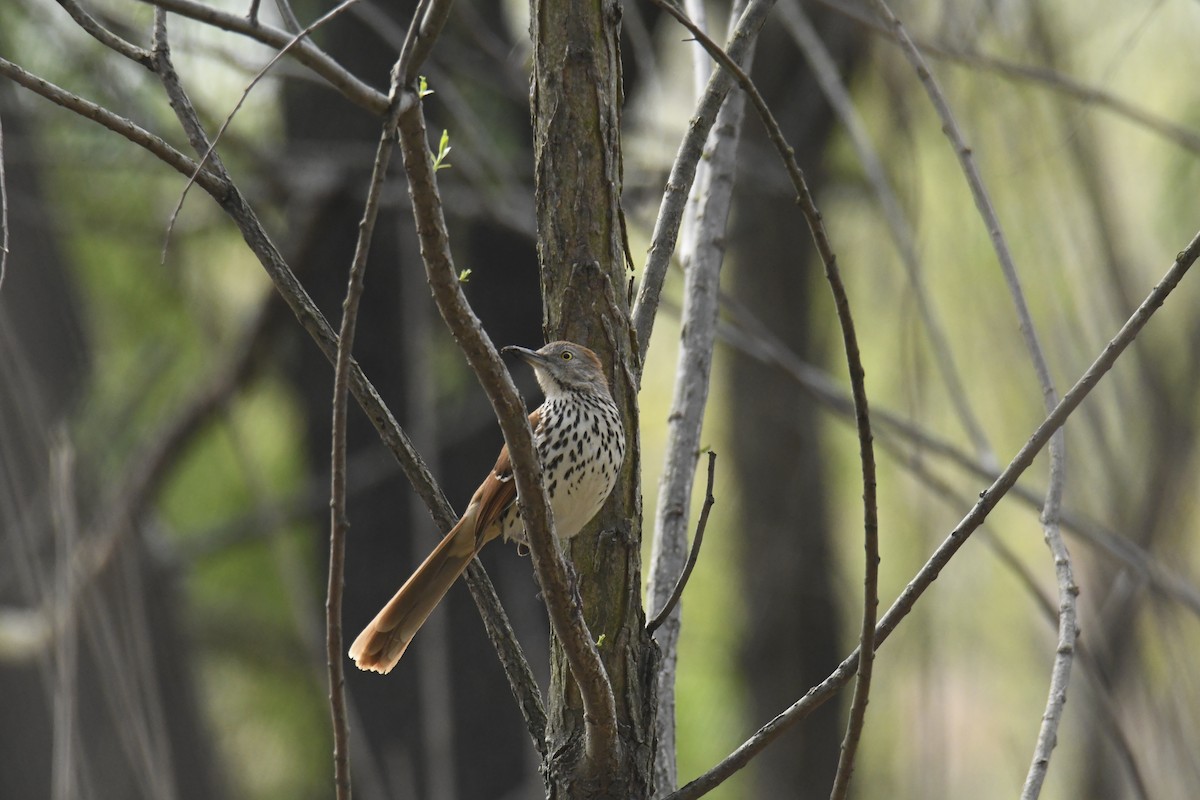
(439, 162)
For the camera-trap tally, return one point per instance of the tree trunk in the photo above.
(576, 116)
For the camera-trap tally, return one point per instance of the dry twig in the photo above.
(694, 553)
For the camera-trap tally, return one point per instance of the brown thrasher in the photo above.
(581, 444)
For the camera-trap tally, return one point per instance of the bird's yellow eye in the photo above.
(567, 355)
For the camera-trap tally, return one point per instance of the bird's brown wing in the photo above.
(498, 490)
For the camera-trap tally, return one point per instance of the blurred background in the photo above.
(164, 423)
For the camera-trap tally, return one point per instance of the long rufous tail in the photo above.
(381, 644)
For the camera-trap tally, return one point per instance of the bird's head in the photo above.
(564, 366)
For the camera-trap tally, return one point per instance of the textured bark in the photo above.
(791, 640)
(576, 116)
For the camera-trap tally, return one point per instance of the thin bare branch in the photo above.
(428, 20)
(565, 614)
(751, 339)
(3, 211)
(683, 173)
(694, 554)
(303, 51)
(339, 521)
(117, 124)
(703, 251)
(928, 573)
(192, 126)
(103, 35)
(1067, 591)
(1051, 79)
(866, 641)
(1106, 706)
(796, 22)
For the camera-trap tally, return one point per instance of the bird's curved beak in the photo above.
(527, 355)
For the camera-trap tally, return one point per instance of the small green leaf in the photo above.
(439, 162)
(464, 276)
(423, 89)
(600, 641)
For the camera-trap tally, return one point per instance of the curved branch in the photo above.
(1067, 591)
(796, 22)
(339, 522)
(103, 35)
(683, 173)
(694, 555)
(304, 51)
(857, 387)
(928, 573)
